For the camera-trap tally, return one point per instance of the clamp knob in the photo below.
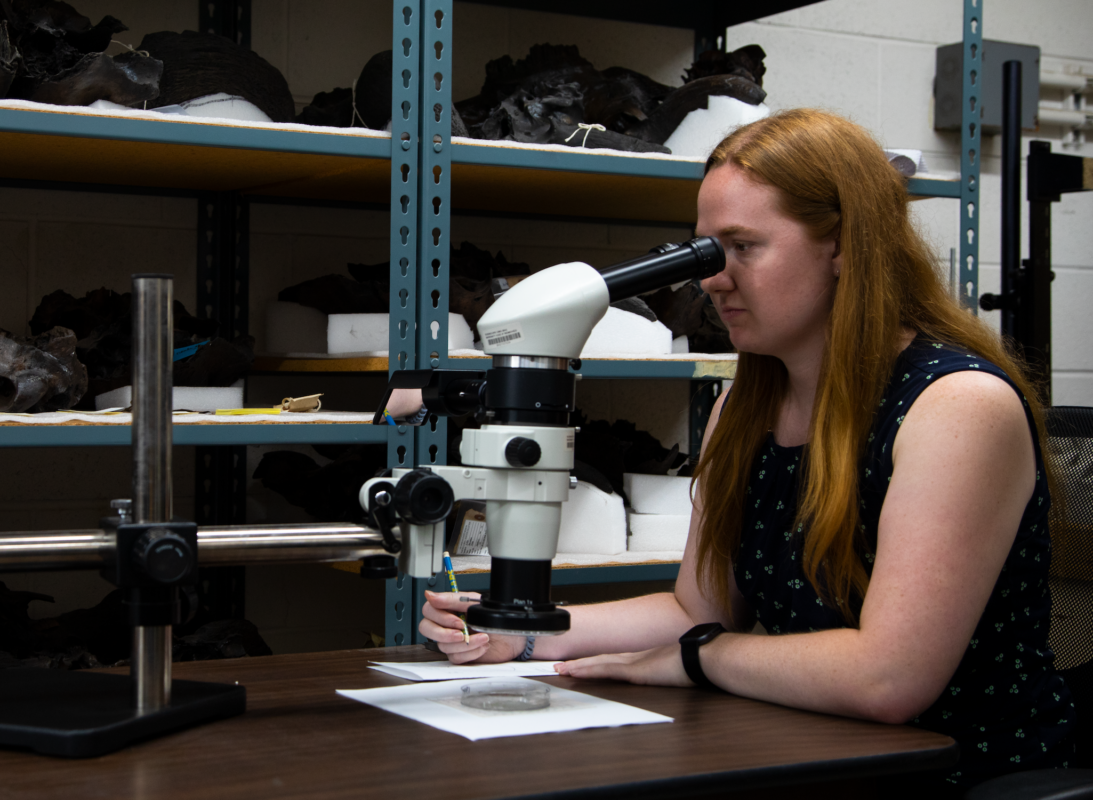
(163, 556)
(523, 452)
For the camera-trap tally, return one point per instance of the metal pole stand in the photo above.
(82, 714)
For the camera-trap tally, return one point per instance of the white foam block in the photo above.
(681, 345)
(592, 522)
(703, 129)
(357, 333)
(293, 328)
(658, 494)
(194, 398)
(658, 532)
(621, 332)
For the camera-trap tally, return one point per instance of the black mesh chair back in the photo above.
(1070, 445)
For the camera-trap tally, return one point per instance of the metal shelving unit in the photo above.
(421, 175)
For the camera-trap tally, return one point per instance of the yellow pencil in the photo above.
(455, 590)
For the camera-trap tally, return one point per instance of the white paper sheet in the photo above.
(446, 670)
(438, 705)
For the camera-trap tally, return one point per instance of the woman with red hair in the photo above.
(871, 490)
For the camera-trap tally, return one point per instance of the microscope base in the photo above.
(83, 714)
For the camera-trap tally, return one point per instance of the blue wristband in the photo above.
(529, 648)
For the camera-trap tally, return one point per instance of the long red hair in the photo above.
(834, 179)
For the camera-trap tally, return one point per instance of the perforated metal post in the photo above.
(405, 167)
(227, 18)
(434, 235)
(970, 154)
(223, 294)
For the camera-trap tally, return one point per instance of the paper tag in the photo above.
(513, 332)
(472, 538)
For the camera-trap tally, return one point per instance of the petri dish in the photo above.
(505, 696)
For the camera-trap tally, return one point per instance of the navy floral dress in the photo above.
(1005, 705)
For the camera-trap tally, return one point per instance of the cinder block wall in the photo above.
(872, 60)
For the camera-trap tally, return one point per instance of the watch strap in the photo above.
(689, 646)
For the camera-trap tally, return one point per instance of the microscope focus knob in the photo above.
(523, 452)
(163, 556)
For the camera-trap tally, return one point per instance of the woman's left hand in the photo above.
(661, 666)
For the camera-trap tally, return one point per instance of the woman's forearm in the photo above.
(831, 671)
(622, 626)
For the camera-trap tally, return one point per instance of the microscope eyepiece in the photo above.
(665, 264)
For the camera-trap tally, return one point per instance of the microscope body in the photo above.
(519, 460)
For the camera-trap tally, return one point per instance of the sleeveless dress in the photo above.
(1005, 705)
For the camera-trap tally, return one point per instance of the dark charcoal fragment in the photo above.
(694, 95)
(574, 136)
(636, 305)
(374, 91)
(226, 638)
(680, 310)
(9, 58)
(368, 292)
(747, 62)
(329, 493)
(219, 363)
(618, 447)
(103, 326)
(128, 80)
(545, 63)
(200, 64)
(622, 98)
(338, 294)
(50, 53)
(333, 109)
(41, 373)
(101, 636)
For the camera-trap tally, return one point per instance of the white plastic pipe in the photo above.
(1067, 118)
(1061, 80)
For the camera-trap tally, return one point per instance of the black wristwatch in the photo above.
(688, 648)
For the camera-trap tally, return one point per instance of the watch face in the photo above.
(700, 634)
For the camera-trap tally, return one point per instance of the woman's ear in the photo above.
(837, 258)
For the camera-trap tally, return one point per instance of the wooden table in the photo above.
(300, 739)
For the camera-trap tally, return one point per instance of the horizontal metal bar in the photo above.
(24, 551)
(211, 434)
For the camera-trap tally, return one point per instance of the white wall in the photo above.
(872, 60)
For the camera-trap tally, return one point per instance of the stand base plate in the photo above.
(82, 714)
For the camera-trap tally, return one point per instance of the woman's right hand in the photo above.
(442, 624)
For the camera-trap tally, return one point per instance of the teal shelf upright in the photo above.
(406, 193)
(971, 155)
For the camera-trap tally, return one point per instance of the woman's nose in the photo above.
(721, 282)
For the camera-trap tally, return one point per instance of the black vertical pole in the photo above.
(1035, 320)
(1011, 197)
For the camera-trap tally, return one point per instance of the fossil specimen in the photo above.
(102, 326)
(200, 64)
(41, 373)
(51, 53)
(367, 104)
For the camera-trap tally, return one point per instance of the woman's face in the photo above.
(778, 285)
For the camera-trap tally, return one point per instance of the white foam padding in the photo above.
(592, 522)
(623, 333)
(358, 333)
(225, 106)
(293, 328)
(193, 398)
(658, 494)
(703, 129)
(680, 344)
(658, 532)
